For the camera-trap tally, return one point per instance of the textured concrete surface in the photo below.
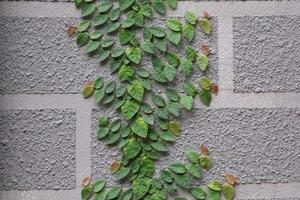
(266, 54)
(37, 149)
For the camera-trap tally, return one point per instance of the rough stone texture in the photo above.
(257, 145)
(38, 57)
(37, 149)
(266, 54)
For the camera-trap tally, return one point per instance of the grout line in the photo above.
(38, 195)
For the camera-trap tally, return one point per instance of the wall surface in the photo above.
(48, 131)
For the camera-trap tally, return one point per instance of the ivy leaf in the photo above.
(173, 59)
(104, 7)
(188, 32)
(172, 3)
(157, 31)
(175, 127)
(187, 102)
(146, 108)
(142, 72)
(140, 187)
(170, 72)
(110, 87)
(159, 76)
(172, 94)
(205, 83)
(117, 52)
(147, 167)
(112, 138)
(228, 191)
(189, 88)
(158, 100)
(193, 169)
(107, 43)
(83, 25)
(190, 53)
(174, 37)
(168, 136)
(205, 97)
(99, 185)
(198, 193)
(127, 195)
(125, 72)
(174, 24)
(99, 82)
(205, 162)
(140, 127)
(131, 149)
(124, 4)
(125, 36)
(177, 167)
(205, 25)
(88, 89)
(122, 173)
(166, 176)
(159, 6)
(160, 146)
(190, 17)
(102, 133)
(147, 34)
(136, 90)
(129, 109)
(180, 198)
(146, 10)
(134, 54)
(114, 192)
(92, 46)
(127, 23)
(187, 67)
(113, 27)
(174, 108)
(86, 193)
(161, 44)
(148, 47)
(149, 118)
(115, 166)
(82, 39)
(146, 83)
(202, 61)
(162, 113)
(99, 19)
(103, 55)
(103, 120)
(115, 14)
(182, 180)
(87, 9)
(96, 35)
(192, 156)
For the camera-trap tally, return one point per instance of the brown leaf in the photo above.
(230, 179)
(214, 88)
(204, 150)
(115, 166)
(205, 49)
(206, 15)
(86, 181)
(71, 30)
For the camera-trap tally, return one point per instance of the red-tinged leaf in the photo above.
(214, 88)
(230, 179)
(204, 150)
(206, 15)
(205, 49)
(115, 166)
(85, 181)
(71, 30)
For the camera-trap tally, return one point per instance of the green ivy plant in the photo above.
(148, 121)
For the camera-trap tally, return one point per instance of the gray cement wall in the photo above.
(47, 130)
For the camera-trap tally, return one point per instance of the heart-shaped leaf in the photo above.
(88, 9)
(96, 35)
(115, 14)
(159, 6)
(88, 90)
(170, 72)
(124, 4)
(160, 146)
(125, 36)
(174, 24)
(187, 67)
(228, 191)
(190, 53)
(148, 47)
(166, 176)
(140, 127)
(174, 108)
(189, 88)
(177, 167)
(82, 39)
(190, 17)
(192, 156)
(157, 31)
(174, 37)
(140, 187)
(83, 25)
(129, 109)
(104, 7)
(205, 97)
(114, 192)
(187, 102)
(172, 94)
(205, 83)
(86, 193)
(182, 180)
(134, 54)
(205, 25)
(122, 173)
(99, 185)
(172, 3)
(131, 149)
(188, 32)
(125, 73)
(146, 10)
(202, 61)
(92, 46)
(198, 193)
(99, 19)
(175, 127)
(136, 90)
(193, 169)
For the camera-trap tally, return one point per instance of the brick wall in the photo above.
(47, 130)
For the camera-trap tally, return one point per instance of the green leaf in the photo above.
(161, 44)
(129, 109)
(82, 39)
(102, 133)
(162, 124)
(177, 167)
(180, 198)
(112, 138)
(157, 62)
(192, 156)
(78, 3)
(158, 100)
(202, 61)
(148, 47)
(175, 127)
(193, 169)
(205, 25)
(99, 19)
(131, 149)
(159, 76)
(125, 72)
(117, 52)
(174, 108)
(125, 36)
(88, 90)
(174, 24)
(162, 113)
(86, 193)
(198, 193)
(110, 87)
(92, 46)
(205, 97)
(118, 102)
(187, 67)
(96, 35)
(127, 195)
(87, 9)
(174, 37)
(213, 195)
(170, 72)
(215, 185)
(136, 90)
(146, 108)
(189, 88)
(172, 3)
(149, 118)
(114, 192)
(120, 91)
(104, 7)
(140, 187)
(228, 191)
(147, 167)
(146, 10)
(142, 72)
(100, 196)
(146, 83)
(137, 17)
(115, 14)
(122, 173)
(103, 120)
(159, 6)
(124, 4)
(168, 136)
(99, 82)
(147, 34)
(170, 188)
(127, 23)
(166, 176)
(140, 127)
(115, 64)
(173, 59)
(188, 32)
(107, 43)
(157, 31)
(115, 125)
(160, 146)
(113, 27)
(205, 162)
(99, 185)
(190, 17)
(125, 131)
(182, 180)
(103, 55)
(205, 83)
(172, 94)
(190, 53)
(187, 102)
(83, 25)
(134, 54)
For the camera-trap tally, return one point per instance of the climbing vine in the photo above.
(148, 121)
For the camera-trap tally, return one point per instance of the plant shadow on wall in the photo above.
(148, 121)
